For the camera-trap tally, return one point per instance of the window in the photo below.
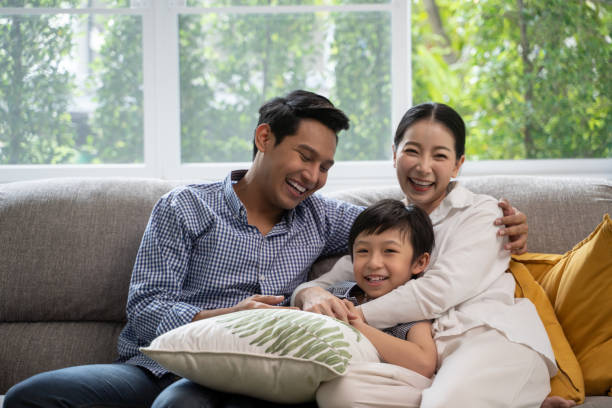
(171, 88)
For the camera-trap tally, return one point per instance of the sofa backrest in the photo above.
(67, 247)
(561, 211)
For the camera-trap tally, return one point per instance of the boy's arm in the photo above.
(417, 353)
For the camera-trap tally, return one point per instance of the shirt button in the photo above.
(262, 277)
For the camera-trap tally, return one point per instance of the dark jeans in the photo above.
(120, 385)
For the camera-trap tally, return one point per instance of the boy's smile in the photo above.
(383, 261)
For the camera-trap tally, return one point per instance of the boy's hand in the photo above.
(516, 227)
(355, 315)
(318, 300)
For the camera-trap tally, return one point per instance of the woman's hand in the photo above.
(516, 227)
(318, 300)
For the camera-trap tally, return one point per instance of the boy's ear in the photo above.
(419, 265)
(264, 138)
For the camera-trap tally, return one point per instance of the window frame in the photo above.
(161, 105)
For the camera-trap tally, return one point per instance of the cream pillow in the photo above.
(279, 355)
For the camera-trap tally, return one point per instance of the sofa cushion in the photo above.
(33, 347)
(580, 287)
(278, 355)
(568, 382)
(68, 246)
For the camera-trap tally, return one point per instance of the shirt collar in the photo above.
(233, 201)
(457, 197)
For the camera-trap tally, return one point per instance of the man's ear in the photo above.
(419, 265)
(264, 138)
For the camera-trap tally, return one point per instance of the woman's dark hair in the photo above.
(393, 214)
(284, 114)
(439, 112)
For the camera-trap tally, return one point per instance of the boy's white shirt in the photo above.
(465, 288)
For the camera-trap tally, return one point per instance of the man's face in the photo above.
(298, 166)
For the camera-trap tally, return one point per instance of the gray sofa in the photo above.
(67, 247)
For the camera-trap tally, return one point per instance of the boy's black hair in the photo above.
(393, 214)
(284, 114)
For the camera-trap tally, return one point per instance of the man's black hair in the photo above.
(284, 114)
(393, 214)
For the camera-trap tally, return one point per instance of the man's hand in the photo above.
(516, 227)
(318, 300)
(252, 302)
(260, 302)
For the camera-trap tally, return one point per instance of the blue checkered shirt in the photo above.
(199, 252)
(349, 290)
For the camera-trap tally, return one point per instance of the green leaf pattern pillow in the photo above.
(280, 355)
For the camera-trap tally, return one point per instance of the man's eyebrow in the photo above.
(314, 153)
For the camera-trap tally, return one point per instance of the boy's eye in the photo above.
(391, 250)
(361, 251)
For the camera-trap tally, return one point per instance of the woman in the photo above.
(493, 349)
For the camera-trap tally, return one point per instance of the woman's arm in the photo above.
(467, 259)
(417, 352)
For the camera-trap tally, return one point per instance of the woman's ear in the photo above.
(264, 138)
(420, 264)
(458, 165)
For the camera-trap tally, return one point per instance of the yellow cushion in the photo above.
(568, 383)
(579, 287)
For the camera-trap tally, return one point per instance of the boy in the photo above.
(390, 244)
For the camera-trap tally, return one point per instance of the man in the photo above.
(243, 243)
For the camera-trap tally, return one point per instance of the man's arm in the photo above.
(252, 302)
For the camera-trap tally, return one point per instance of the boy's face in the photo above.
(382, 262)
(298, 166)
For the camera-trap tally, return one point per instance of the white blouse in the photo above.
(466, 287)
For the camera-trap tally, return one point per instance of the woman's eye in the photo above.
(410, 151)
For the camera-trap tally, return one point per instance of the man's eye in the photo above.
(324, 169)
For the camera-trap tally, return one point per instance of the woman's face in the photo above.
(425, 161)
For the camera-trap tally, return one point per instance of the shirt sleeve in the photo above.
(154, 305)
(339, 217)
(470, 258)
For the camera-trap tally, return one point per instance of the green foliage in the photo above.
(532, 80)
(117, 123)
(34, 88)
(299, 334)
